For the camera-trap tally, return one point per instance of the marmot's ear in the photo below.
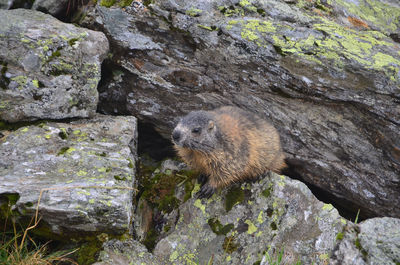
(210, 125)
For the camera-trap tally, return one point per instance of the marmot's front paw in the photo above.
(202, 179)
(206, 191)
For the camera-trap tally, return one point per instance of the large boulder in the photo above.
(325, 73)
(374, 241)
(82, 172)
(246, 223)
(48, 69)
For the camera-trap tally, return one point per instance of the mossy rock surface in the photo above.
(48, 69)
(290, 218)
(82, 172)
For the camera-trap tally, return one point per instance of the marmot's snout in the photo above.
(176, 135)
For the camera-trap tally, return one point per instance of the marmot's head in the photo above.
(197, 131)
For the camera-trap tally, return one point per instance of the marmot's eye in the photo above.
(196, 130)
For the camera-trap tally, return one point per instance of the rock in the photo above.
(162, 188)
(52, 7)
(49, 69)
(244, 223)
(5, 4)
(127, 252)
(85, 168)
(169, 165)
(374, 241)
(12, 4)
(326, 75)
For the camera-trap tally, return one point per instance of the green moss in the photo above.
(72, 41)
(103, 154)
(159, 188)
(339, 236)
(87, 253)
(168, 203)
(235, 195)
(148, 2)
(7, 200)
(54, 54)
(218, 228)
(267, 192)
(273, 226)
(189, 186)
(124, 3)
(63, 150)
(120, 178)
(194, 12)
(229, 245)
(358, 244)
(107, 3)
(150, 239)
(63, 133)
(130, 164)
(167, 227)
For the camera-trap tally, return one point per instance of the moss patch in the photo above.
(234, 196)
(218, 228)
(107, 3)
(159, 188)
(194, 12)
(229, 245)
(88, 251)
(120, 3)
(150, 239)
(267, 192)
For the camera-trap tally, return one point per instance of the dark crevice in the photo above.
(349, 212)
(152, 143)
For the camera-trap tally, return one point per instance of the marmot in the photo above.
(227, 145)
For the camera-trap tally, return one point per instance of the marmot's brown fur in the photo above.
(227, 145)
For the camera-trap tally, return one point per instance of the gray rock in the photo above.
(5, 4)
(127, 252)
(52, 7)
(49, 69)
(326, 75)
(374, 241)
(172, 166)
(8, 4)
(245, 222)
(85, 168)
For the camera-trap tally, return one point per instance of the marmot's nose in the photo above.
(176, 135)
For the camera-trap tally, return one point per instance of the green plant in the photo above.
(23, 250)
(356, 220)
(277, 258)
